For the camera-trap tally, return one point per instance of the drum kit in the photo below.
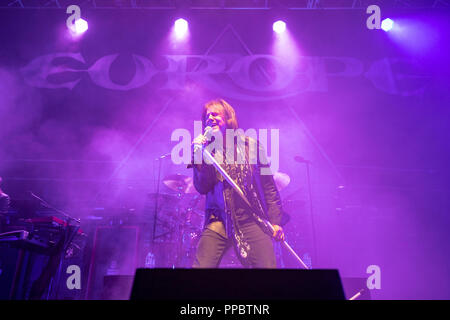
(180, 217)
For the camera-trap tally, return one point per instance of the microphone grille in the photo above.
(208, 131)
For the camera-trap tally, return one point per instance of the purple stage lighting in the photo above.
(279, 26)
(181, 27)
(81, 26)
(387, 24)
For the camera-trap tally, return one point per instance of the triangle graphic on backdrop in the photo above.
(227, 42)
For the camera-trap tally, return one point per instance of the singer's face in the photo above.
(215, 118)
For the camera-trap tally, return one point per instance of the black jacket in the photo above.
(222, 201)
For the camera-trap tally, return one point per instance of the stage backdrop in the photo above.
(82, 122)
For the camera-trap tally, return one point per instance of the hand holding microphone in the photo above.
(201, 140)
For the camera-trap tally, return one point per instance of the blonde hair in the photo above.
(230, 115)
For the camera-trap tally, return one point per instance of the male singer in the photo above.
(229, 221)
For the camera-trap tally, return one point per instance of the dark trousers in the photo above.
(212, 247)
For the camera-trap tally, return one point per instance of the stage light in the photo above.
(81, 26)
(279, 26)
(387, 24)
(181, 27)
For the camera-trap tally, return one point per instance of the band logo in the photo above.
(232, 76)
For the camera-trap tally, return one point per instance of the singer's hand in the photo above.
(278, 232)
(201, 139)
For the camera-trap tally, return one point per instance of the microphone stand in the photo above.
(46, 204)
(207, 154)
(312, 213)
(300, 159)
(155, 214)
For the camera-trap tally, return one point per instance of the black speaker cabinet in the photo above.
(19, 269)
(236, 284)
(115, 252)
(8, 265)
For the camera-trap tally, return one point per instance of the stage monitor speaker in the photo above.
(236, 284)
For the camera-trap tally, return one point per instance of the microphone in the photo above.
(206, 134)
(301, 159)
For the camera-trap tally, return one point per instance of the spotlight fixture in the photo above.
(279, 26)
(181, 27)
(81, 26)
(387, 24)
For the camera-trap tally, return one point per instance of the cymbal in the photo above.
(180, 183)
(281, 180)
